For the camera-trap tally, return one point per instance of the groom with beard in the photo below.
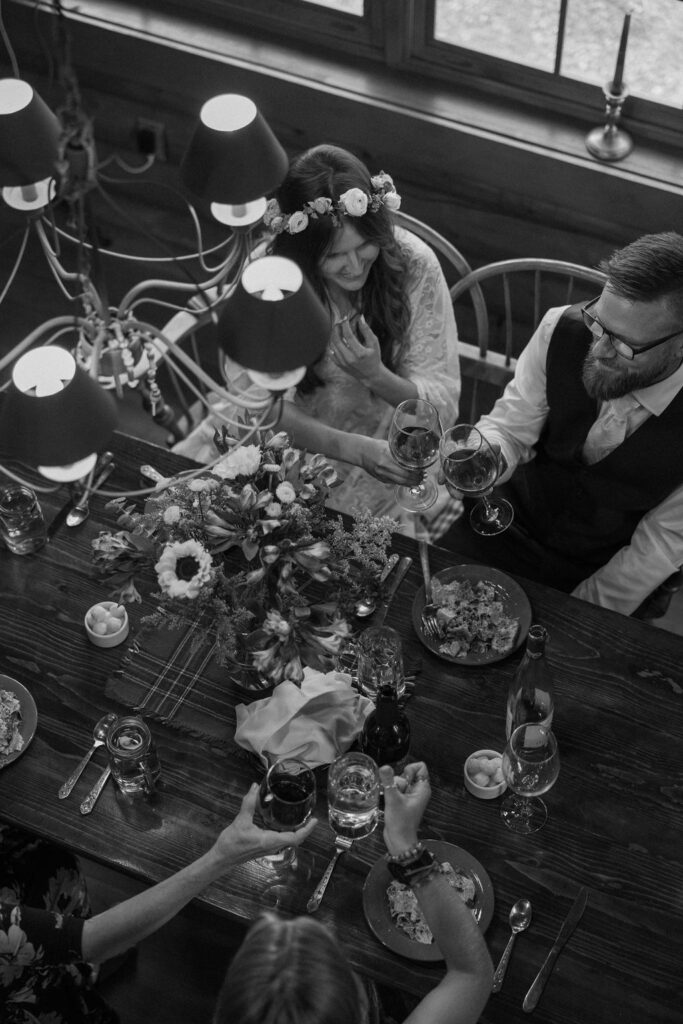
(590, 432)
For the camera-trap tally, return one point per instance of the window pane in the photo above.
(653, 55)
(524, 31)
(348, 6)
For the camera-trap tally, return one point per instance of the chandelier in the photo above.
(58, 408)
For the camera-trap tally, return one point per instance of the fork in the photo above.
(341, 843)
(430, 624)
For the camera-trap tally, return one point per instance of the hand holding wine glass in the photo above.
(531, 765)
(414, 444)
(471, 465)
(287, 798)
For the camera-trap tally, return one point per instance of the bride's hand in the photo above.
(375, 458)
(358, 354)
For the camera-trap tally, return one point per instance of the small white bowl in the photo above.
(105, 639)
(474, 779)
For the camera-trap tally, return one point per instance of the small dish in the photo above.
(473, 775)
(99, 622)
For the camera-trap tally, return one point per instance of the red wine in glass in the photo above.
(470, 465)
(414, 437)
(287, 798)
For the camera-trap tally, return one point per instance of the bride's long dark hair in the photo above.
(330, 171)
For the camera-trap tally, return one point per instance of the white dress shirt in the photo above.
(516, 422)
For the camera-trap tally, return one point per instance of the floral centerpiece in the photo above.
(246, 553)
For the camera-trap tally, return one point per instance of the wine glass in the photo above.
(414, 444)
(531, 764)
(287, 798)
(471, 465)
(353, 795)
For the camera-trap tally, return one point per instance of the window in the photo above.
(540, 51)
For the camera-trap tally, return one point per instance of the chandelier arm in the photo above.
(139, 259)
(29, 483)
(172, 350)
(58, 321)
(17, 263)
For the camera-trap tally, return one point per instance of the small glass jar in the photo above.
(22, 525)
(132, 756)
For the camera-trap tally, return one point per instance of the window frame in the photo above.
(398, 36)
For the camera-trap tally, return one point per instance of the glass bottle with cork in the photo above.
(386, 732)
(531, 697)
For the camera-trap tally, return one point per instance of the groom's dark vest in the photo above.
(590, 512)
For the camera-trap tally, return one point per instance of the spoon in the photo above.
(80, 512)
(363, 608)
(99, 736)
(520, 916)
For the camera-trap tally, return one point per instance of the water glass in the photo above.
(380, 661)
(353, 795)
(133, 758)
(22, 526)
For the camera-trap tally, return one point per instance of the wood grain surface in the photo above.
(615, 820)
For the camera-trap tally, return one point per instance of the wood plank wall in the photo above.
(494, 197)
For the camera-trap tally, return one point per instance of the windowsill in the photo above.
(555, 137)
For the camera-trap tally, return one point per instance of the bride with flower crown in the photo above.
(393, 334)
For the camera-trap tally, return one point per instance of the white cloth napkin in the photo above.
(315, 723)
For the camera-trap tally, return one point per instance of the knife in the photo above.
(570, 923)
(396, 580)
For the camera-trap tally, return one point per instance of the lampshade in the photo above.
(233, 156)
(29, 135)
(273, 321)
(54, 413)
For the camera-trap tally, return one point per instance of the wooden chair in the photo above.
(501, 324)
(497, 307)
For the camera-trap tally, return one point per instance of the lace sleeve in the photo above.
(429, 356)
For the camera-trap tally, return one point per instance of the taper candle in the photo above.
(621, 56)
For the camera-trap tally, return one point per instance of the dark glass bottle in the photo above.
(530, 697)
(386, 733)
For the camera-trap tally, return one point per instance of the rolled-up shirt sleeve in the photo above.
(655, 552)
(517, 418)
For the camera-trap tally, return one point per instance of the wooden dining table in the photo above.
(615, 820)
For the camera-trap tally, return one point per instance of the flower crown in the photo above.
(353, 203)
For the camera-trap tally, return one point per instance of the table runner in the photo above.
(208, 710)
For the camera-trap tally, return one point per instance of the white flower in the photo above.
(285, 492)
(172, 515)
(274, 623)
(392, 201)
(273, 510)
(179, 558)
(321, 205)
(381, 181)
(297, 222)
(354, 202)
(273, 211)
(242, 461)
(198, 485)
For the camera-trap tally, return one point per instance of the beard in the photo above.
(603, 382)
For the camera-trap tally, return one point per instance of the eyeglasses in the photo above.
(627, 351)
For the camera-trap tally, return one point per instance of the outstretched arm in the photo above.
(370, 453)
(115, 930)
(462, 994)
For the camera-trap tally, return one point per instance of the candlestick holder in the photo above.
(610, 142)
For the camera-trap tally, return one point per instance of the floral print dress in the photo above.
(43, 903)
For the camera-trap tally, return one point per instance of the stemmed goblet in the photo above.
(414, 436)
(531, 764)
(471, 465)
